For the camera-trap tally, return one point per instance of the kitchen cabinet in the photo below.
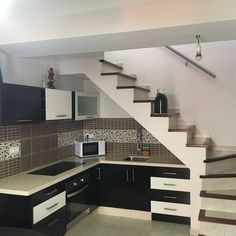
(58, 104)
(43, 211)
(19, 104)
(87, 105)
(125, 186)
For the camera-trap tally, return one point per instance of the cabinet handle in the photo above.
(61, 115)
(133, 174)
(89, 117)
(170, 209)
(49, 208)
(52, 192)
(127, 175)
(169, 197)
(54, 221)
(26, 120)
(169, 173)
(99, 173)
(169, 184)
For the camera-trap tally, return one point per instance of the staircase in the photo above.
(179, 138)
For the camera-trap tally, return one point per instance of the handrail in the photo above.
(191, 62)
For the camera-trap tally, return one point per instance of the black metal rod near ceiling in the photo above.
(188, 60)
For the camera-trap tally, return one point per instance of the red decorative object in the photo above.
(51, 79)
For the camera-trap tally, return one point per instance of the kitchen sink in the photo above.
(136, 158)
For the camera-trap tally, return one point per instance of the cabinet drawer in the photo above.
(168, 172)
(46, 208)
(170, 208)
(170, 196)
(170, 184)
(47, 193)
(53, 225)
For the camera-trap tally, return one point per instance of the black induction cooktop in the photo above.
(56, 169)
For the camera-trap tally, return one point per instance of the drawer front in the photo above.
(168, 208)
(170, 196)
(170, 184)
(53, 225)
(47, 193)
(168, 172)
(46, 208)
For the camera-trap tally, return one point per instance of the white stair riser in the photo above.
(141, 94)
(219, 184)
(222, 205)
(123, 81)
(215, 229)
(220, 166)
(107, 68)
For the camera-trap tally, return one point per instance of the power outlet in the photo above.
(15, 150)
(88, 136)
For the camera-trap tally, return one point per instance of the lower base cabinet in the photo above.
(53, 225)
(125, 187)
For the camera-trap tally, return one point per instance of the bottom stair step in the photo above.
(214, 223)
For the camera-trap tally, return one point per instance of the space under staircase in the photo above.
(207, 174)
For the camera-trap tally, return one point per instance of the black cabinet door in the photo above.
(20, 104)
(139, 189)
(94, 186)
(114, 186)
(125, 187)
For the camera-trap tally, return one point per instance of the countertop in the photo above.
(25, 184)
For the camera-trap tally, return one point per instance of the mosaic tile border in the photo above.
(5, 150)
(68, 138)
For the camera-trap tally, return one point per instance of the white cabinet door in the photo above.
(58, 104)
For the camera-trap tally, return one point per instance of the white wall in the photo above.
(31, 71)
(210, 102)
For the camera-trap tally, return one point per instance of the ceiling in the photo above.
(56, 27)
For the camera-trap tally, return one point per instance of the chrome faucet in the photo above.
(139, 139)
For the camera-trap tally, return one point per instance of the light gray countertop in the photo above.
(25, 184)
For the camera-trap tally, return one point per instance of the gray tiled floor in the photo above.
(103, 225)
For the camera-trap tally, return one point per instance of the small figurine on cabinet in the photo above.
(51, 79)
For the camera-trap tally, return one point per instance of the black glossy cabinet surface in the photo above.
(124, 186)
(19, 104)
(53, 225)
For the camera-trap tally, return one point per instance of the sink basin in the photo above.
(136, 158)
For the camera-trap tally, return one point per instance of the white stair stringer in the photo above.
(192, 157)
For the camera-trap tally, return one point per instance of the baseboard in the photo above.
(141, 215)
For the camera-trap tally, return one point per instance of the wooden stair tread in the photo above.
(231, 173)
(181, 128)
(144, 100)
(217, 217)
(213, 156)
(170, 113)
(111, 64)
(120, 74)
(133, 87)
(199, 142)
(219, 194)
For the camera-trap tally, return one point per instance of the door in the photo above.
(20, 104)
(58, 104)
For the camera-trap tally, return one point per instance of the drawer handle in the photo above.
(61, 115)
(170, 173)
(53, 222)
(54, 205)
(27, 120)
(169, 184)
(169, 197)
(170, 209)
(52, 192)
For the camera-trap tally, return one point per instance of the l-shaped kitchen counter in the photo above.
(25, 184)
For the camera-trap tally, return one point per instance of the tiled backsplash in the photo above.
(40, 144)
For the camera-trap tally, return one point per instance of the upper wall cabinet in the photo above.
(87, 105)
(58, 104)
(19, 104)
